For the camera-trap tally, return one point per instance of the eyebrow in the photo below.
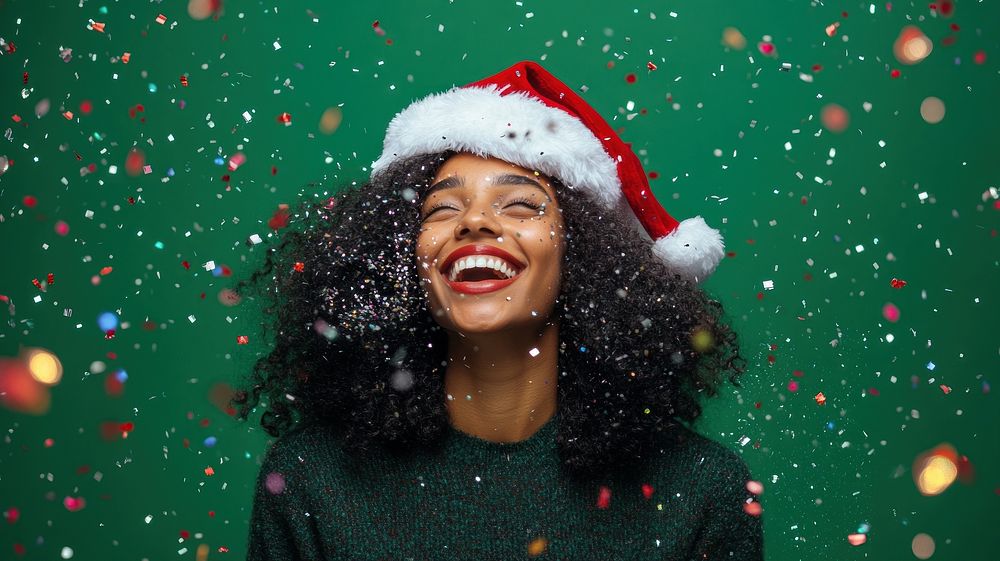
(453, 181)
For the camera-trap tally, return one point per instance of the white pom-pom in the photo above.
(693, 249)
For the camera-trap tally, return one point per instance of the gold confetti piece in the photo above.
(330, 120)
(731, 37)
(912, 46)
(936, 470)
(537, 546)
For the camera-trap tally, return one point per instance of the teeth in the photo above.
(494, 263)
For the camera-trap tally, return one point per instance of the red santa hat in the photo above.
(526, 116)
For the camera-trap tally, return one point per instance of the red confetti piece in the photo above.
(285, 118)
(650, 66)
(11, 48)
(895, 73)
(752, 508)
(945, 389)
(134, 162)
(979, 57)
(161, 19)
(12, 515)
(68, 115)
(647, 490)
(630, 78)
(209, 471)
(280, 218)
(603, 497)
(857, 539)
(29, 201)
(113, 386)
(109, 334)
(106, 271)
(793, 386)
(186, 265)
(299, 266)
(820, 398)
(831, 29)
(242, 339)
(184, 81)
(86, 106)
(897, 283)
(765, 48)
(37, 284)
(126, 57)
(25, 78)
(97, 26)
(50, 278)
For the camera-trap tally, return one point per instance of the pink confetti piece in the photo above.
(237, 160)
(890, 312)
(857, 539)
(275, 483)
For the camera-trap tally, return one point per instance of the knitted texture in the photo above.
(480, 500)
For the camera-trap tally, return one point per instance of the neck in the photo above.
(499, 391)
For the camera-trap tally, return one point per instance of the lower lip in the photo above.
(481, 287)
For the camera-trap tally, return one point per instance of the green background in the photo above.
(829, 231)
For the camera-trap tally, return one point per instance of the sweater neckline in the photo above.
(545, 433)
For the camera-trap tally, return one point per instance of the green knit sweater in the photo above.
(481, 500)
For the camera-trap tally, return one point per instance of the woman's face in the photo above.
(508, 219)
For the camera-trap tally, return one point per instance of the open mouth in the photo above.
(477, 274)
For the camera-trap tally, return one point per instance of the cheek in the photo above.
(428, 243)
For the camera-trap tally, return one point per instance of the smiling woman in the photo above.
(478, 355)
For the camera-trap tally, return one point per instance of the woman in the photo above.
(490, 349)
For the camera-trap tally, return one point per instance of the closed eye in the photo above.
(522, 202)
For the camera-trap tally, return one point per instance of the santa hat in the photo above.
(526, 116)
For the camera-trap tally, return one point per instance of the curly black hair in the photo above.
(355, 347)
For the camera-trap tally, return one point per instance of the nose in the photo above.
(479, 218)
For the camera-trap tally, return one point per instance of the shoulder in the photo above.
(702, 460)
(295, 458)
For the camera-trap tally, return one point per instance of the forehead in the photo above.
(475, 170)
